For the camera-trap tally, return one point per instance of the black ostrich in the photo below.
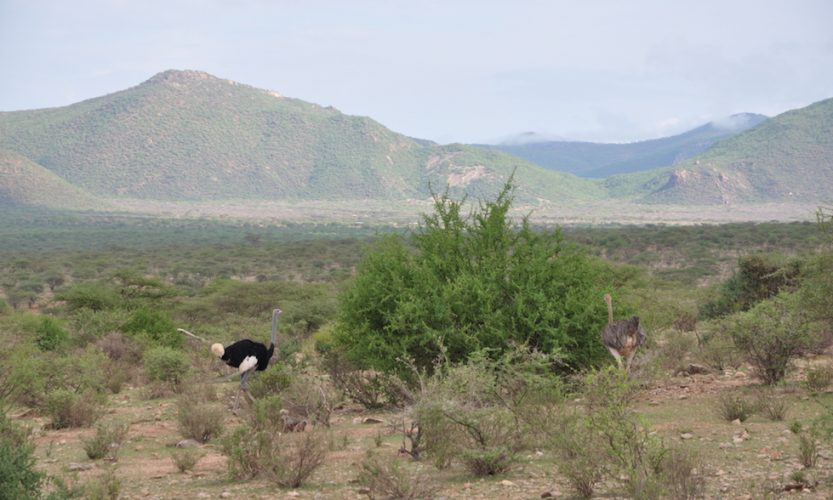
(622, 338)
(246, 355)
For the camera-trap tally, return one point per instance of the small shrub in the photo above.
(488, 462)
(105, 487)
(772, 406)
(310, 396)
(50, 334)
(106, 442)
(819, 378)
(67, 409)
(198, 420)
(286, 459)
(731, 407)
(120, 349)
(166, 365)
(582, 455)
(274, 380)
(682, 471)
(266, 412)
(185, 459)
(386, 478)
(808, 448)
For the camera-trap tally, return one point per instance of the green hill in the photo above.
(599, 160)
(186, 135)
(787, 158)
(23, 183)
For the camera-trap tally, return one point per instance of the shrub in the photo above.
(717, 350)
(682, 474)
(67, 409)
(732, 406)
(19, 477)
(89, 295)
(808, 448)
(198, 420)
(106, 442)
(154, 325)
(819, 378)
(105, 487)
(771, 334)
(50, 335)
(476, 282)
(185, 459)
(582, 457)
(471, 413)
(266, 412)
(166, 365)
(311, 397)
(386, 478)
(771, 406)
(273, 380)
(286, 459)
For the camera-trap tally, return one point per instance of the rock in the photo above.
(507, 482)
(736, 421)
(293, 494)
(697, 369)
(225, 494)
(467, 486)
(371, 420)
(723, 446)
(686, 435)
(73, 467)
(740, 375)
(203, 494)
(549, 494)
(145, 492)
(187, 443)
(682, 396)
(364, 491)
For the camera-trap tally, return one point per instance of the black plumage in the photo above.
(234, 354)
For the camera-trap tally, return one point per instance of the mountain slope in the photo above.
(23, 183)
(186, 135)
(787, 158)
(598, 160)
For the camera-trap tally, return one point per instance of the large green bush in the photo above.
(166, 365)
(19, 478)
(154, 325)
(473, 282)
(51, 335)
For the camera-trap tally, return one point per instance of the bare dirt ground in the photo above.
(376, 212)
(753, 459)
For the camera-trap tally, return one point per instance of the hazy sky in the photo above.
(448, 70)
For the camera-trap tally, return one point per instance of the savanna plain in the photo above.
(455, 358)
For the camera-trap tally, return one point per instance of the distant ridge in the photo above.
(187, 135)
(25, 184)
(599, 160)
(787, 158)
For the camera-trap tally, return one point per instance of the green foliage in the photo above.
(51, 335)
(67, 409)
(166, 365)
(473, 283)
(758, 277)
(199, 420)
(771, 334)
(185, 459)
(19, 477)
(385, 478)
(271, 381)
(90, 295)
(154, 325)
(472, 412)
(286, 459)
(106, 486)
(819, 378)
(732, 406)
(106, 442)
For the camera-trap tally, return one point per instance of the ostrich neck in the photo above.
(274, 328)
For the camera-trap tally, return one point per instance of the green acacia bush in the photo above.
(51, 336)
(19, 478)
(153, 325)
(771, 334)
(167, 365)
(97, 296)
(472, 282)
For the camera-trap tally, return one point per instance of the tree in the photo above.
(467, 283)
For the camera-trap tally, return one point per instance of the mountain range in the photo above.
(599, 160)
(189, 136)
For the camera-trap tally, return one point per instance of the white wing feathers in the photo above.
(247, 364)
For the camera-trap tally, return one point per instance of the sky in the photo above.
(450, 71)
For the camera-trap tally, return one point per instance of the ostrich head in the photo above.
(218, 350)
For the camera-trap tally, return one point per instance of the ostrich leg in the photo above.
(243, 387)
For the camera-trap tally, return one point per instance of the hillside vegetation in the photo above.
(186, 135)
(25, 183)
(789, 157)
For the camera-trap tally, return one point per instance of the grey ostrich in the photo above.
(622, 338)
